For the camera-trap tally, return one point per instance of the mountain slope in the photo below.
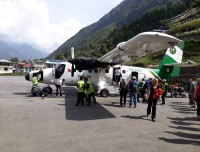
(21, 51)
(125, 13)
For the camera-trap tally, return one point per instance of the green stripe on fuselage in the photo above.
(154, 73)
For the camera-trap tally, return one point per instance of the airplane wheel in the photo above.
(104, 93)
(49, 90)
(96, 90)
(183, 95)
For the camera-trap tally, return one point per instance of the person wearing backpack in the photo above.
(145, 88)
(123, 87)
(133, 89)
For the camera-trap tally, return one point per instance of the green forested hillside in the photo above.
(89, 38)
(153, 19)
(149, 21)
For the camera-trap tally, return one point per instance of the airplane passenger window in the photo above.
(123, 71)
(95, 70)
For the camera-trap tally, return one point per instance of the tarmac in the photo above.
(55, 124)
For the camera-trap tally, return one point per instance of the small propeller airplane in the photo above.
(101, 71)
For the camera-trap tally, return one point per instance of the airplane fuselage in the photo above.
(95, 76)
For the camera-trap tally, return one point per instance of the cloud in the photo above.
(27, 21)
(46, 24)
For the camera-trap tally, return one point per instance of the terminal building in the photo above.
(6, 66)
(187, 73)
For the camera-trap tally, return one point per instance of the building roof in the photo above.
(4, 60)
(24, 65)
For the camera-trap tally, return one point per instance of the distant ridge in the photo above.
(21, 51)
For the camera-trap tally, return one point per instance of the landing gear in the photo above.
(96, 90)
(104, 93)
(49, 90)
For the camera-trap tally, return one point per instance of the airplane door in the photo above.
(134, 74)
(59, 70)
(108, 77)
(141, 76)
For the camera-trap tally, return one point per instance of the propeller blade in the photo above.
(73, 70)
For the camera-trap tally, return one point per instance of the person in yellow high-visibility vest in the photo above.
(34, 81)
(89, 90)
(80, 87)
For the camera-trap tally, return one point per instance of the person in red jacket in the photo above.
(154, 96)
(197, 98)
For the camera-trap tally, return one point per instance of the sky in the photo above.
(46, 24)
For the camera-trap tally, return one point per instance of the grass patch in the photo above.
(14, 74)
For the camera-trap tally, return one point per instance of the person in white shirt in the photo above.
(58, 86)
(117, 75)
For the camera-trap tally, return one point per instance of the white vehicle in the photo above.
(101, 71)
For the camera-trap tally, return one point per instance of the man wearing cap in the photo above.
(164, 87)
(133, 88)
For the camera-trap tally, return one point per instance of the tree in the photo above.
(60, 57)
(14, 60)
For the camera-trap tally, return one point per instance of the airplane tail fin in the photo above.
(172, 56)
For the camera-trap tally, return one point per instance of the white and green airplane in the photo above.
(101, 71)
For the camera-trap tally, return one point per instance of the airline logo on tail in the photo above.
(173, 51)
(169, 66)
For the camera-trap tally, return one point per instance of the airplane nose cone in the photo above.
(27, 77)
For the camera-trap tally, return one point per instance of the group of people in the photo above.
(150, 91)
(58, 84)
(84, 87)
(85, 90)
(194, 94)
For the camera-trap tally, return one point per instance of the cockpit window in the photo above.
(107, 70)
(59, 70)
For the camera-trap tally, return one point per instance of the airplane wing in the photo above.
(141, 45)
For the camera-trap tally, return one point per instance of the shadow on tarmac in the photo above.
(181, 108)
(181, 141)
(184, 135)
(113, 104)
(183, 125)
(26, 94)
(81, 113)
(185, 128)
(144, 117)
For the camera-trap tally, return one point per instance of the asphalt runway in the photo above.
(55, 124)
